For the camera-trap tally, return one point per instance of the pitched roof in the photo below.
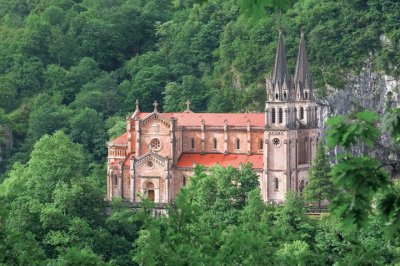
(211, 159)
(123, 139)
(190, 119)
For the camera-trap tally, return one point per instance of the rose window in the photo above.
(155, 144)
(276, 142)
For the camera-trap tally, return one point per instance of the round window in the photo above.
(276, 142)
(155, 144)
(150, 164)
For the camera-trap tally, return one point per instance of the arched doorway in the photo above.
(150, 194)
(149, 191)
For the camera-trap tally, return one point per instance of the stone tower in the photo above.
(291, 131)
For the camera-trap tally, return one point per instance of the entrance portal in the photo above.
(150, 194)
(149, 191)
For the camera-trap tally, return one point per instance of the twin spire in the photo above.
(281, 73)
(281, 79)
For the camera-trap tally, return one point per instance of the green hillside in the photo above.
(70, 72)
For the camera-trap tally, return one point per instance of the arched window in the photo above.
(260, 144)
(276, 96)
(192, 143)
(280, 116)
(115, 180)
(238, 144)
(276, 181)
(215, 144)
(301, 113)
(273, 116)
(284, 95)
(306, 95)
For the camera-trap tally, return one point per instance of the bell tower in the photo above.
(290, 125)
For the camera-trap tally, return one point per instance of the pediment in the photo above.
(155, 117)
(153, 157)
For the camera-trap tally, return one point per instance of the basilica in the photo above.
(156, 155)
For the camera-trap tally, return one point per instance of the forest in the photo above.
(71, 71)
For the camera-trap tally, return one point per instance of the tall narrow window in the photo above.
(184, 181)
(260, 144)
(276, 183)
(273, 115)
(115, 180)
(280, 116)
(295, 113)
(192, 143)
(301, 113)
(238, 144)
(306, 95)
(215, 144)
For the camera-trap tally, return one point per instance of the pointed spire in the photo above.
(137, 105)
(281, 73)
(302, 75)
(137, 111)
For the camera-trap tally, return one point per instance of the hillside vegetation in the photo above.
(70, 72)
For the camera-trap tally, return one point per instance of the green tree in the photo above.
(48, 116)
(191, 89)
(320, 186)
(87, 128)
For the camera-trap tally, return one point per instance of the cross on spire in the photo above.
(137, 105)
(155, 106)
(188, 103)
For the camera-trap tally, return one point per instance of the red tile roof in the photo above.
(211, 159)
(214, 119)
(123, 139)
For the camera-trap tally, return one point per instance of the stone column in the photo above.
(132, 179)
(120, 178)
(173, 139)
(137, 127)
(226, 136)
(157, 194)
(286, 118)
(203, 137)
(248, 138)
(128, 129)
(167, 179)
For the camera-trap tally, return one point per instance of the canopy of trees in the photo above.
(70, 71)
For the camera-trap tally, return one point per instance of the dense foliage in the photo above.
(70, 71)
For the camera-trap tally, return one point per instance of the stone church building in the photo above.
(156, 155)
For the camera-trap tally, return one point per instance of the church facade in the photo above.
(156, 155)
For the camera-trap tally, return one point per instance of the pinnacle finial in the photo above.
(155, 104)
(188, 103)
(137, 105)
